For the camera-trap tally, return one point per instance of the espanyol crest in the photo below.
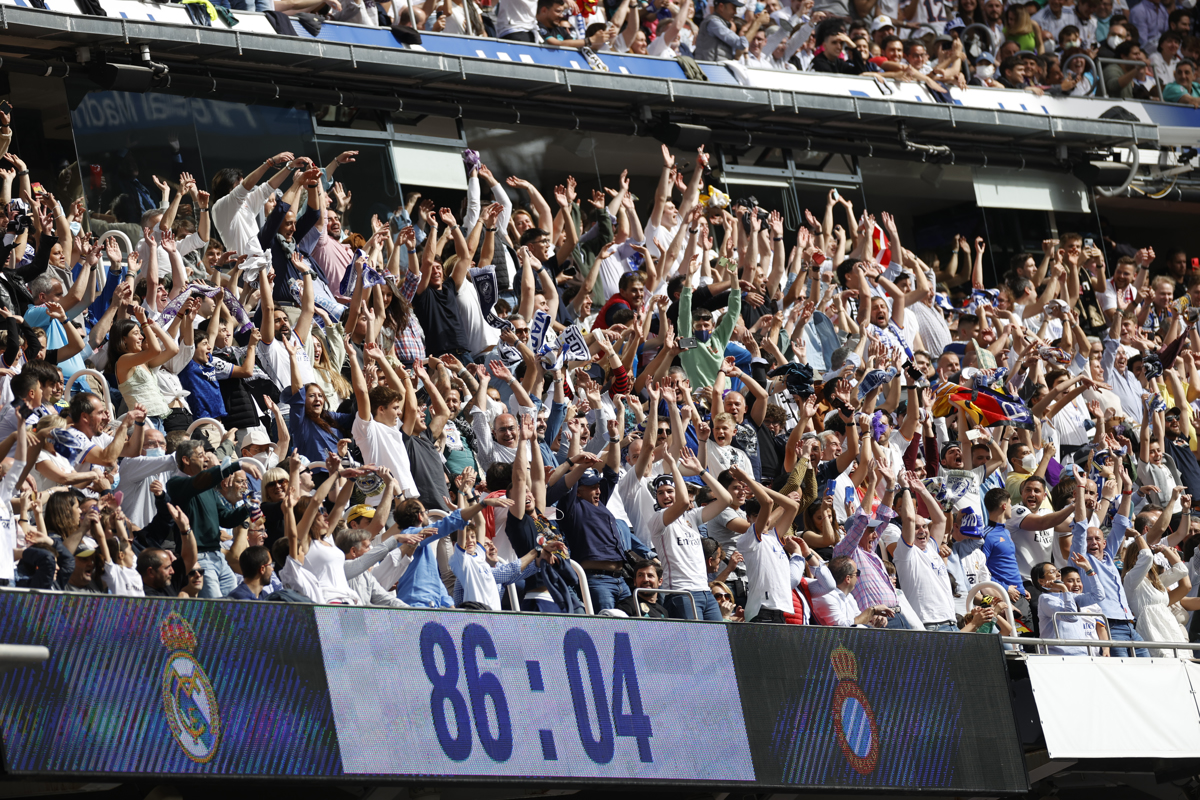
(853, 719)
(188, 698)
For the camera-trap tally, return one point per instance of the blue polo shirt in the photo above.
(1001, 556)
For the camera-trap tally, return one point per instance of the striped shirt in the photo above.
(874, 585)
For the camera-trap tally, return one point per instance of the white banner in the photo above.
(1117, 707)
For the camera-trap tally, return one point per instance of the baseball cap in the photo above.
(1174, 412)
(358, 511)
(87, 547)
(985, 56)
(881, 22)
(255, 436)
(955, 24)
(948, 446)
(590, 478)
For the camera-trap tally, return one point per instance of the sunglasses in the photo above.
(195, 572)
(722, 596)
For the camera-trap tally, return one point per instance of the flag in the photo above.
(484, 279)
(881, 252)
(538, 330)
(983, 406)
(574, 346)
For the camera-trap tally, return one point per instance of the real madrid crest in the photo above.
(188, 698)
(853, 719)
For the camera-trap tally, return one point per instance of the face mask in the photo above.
(1029, 463)
(156, 451)
(1070, 44)
(1113, 41)
(76, 227)
(703, 336)
(262, 457)
(986, 73)
(759, 8)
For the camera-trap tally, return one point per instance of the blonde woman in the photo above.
(1022, 30)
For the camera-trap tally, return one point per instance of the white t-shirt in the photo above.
(925, 580)
(678, 545)
(513, 16)
(276, 362)
(1033, 547)
(124, 581)
(480, 335)
(475, 577)
(974, 567)
(768, 572)
(639, 502)
(1107, 300)
(384, 447)
(723, 458)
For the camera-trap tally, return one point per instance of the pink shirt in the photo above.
(333, 258)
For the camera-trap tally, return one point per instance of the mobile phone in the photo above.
(1088, 243)
(687, 343)
(5, 107)
(973, 435)
(835, 195)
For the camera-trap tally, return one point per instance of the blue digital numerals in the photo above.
(599, 744)
(480, 685)
(579, 652)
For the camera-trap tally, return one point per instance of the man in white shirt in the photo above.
(235, 212)
(840, 608)
(919, 564)
(1053, 18)
(375, 429)
(675, 531)
(767, 559)
(496, 430)
(277, 328)
(138, 473)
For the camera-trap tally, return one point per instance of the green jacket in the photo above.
(585, 252)
(703, 362)
(197, 497)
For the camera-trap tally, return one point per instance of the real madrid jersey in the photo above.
(678, 545)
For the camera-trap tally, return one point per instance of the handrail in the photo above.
(999, 591)
(1122, 643)
(513, 600)
(206, 421)
(583, 586)
(102, 274)
(1095, 614)
(691, 597)
(1097, 75)
(22, 655)
(987, 32)
(1129, 62)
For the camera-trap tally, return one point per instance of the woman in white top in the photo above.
(312, 547)
(1151, 592)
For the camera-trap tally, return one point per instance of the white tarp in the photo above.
(1030, 189)
(429, 165)
(1117, 707)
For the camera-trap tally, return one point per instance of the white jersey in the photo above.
(925, 580)
(384, 447)
(1032, 547)
(475, 577)
(678, 545)
(768, 572)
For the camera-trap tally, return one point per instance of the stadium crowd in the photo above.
(702, 412)
(1142, 50)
